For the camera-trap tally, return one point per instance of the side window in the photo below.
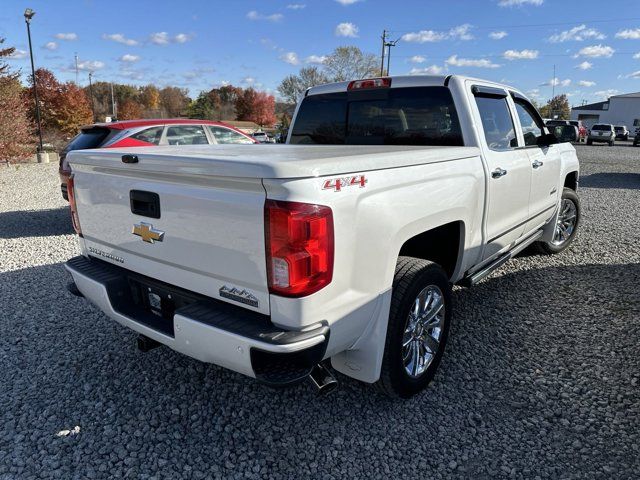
(497, 123)
(150, 135)
(226, 135)
(531, 128)
(186, 135)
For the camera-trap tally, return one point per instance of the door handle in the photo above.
(498, 172)
(537, 164)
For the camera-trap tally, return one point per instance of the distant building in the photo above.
(618, 110)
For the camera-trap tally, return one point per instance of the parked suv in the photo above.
(622, 132)
(147, 133)
(602, 133)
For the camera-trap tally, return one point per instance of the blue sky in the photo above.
(199, 44)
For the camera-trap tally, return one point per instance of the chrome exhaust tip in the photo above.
(323, 380)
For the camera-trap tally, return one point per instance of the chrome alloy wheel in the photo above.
(421, 339)
(566, 223)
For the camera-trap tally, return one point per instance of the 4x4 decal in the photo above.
(337, 184)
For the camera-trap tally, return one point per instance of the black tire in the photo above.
(589, 142)
(412, 276)
(551, 248)
(612, 143)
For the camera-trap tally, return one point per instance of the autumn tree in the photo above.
(130, 109)
(292, 88)
(174, 100)
(16, 129)
(557, 108)
(257, 107)
(150, 97)
(64, 107)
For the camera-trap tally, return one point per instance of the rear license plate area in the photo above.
(157, 303)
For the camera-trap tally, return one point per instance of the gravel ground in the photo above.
(540, 378)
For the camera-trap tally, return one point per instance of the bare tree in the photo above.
(350, 63)
(292, 88)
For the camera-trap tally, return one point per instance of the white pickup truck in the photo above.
(340, 247)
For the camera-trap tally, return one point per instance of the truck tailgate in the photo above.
(208, 236)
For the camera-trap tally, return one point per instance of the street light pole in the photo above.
(28, 15)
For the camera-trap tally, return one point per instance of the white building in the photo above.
(618, 110)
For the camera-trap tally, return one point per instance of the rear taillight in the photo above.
(299, 241)
(71, 193)
(369, 83)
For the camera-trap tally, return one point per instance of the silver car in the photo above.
(602, 133)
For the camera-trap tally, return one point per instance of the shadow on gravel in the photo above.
(611, 180)
(538, 361)
(35, 223)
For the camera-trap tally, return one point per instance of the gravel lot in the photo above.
(541, 377)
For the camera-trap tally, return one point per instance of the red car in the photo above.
(146, 133)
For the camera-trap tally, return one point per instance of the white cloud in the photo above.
(636, 56)
(596, 51)
(520, 54)
(18, 54)
(248, 80)
(274, 17)
(163, 38)
(346, 29)
(629, 34)
(290, 58)
(296, 6)
(461, 32)
(466, 62)
(182, 38)
(66, 36)
(534, 93)
(586, 83)
(578, 34)
(159, 38)
(498, 35)
(120, 38)
(584, 65)
(605, 94)
(89, 65)
(555, 82)
(51, 46)
(348, 2)
(418, 59)
(432, 70)
(315, 59)
(129, 58)
(519, 3)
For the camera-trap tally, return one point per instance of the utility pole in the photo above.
(93, 111)
(113, 105)
(76, 56)
(553, 82)
(384, 44)
(389, 45)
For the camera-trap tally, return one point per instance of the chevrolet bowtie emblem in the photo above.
(147, 232)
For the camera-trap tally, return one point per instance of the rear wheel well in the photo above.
(440, 245)
(571, 181)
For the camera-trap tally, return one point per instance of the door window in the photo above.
(499, 131)
(532, 128)
(186, 135)
(150, 135)
(226, 135)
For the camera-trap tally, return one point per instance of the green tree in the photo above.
(350, 63)
(292, 88)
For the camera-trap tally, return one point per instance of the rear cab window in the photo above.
(604, 127)
(390, 116)
(497, 123)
